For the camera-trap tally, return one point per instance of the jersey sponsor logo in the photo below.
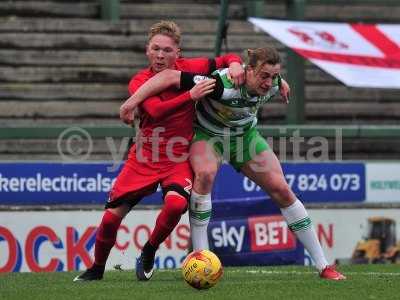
(198, 78)
(270, 233)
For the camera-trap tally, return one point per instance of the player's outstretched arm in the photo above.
(153, 86)
(158, 83)
(158, 108)
(153, 105)
(206, 66)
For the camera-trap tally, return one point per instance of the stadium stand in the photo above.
(61, 65)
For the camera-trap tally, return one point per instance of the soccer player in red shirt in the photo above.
(160, 153)
(219, 123)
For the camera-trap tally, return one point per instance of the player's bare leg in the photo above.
(266, 171)
(205, 163)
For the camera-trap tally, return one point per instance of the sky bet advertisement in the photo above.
(246, 227)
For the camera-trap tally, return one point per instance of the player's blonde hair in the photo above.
(168, 28)
(258, 57)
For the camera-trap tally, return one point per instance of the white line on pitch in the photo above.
(310, 272)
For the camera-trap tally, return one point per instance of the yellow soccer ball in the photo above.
(202, 269)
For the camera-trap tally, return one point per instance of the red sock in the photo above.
(105, 237)
(174, 207)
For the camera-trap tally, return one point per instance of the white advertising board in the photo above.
(339, 230)
(383, 182)
(64, 240)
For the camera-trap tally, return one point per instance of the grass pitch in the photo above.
(295, 282)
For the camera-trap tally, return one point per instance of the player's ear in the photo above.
(178, 53)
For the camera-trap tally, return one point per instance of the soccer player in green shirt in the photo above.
(225, 127)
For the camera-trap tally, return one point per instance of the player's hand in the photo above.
(126, 114)
(236, 73)
(202, 89)
(285, 91)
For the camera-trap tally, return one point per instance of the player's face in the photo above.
(259, 80)
(162, 52)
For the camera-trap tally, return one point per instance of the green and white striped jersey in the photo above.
(230, 111)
